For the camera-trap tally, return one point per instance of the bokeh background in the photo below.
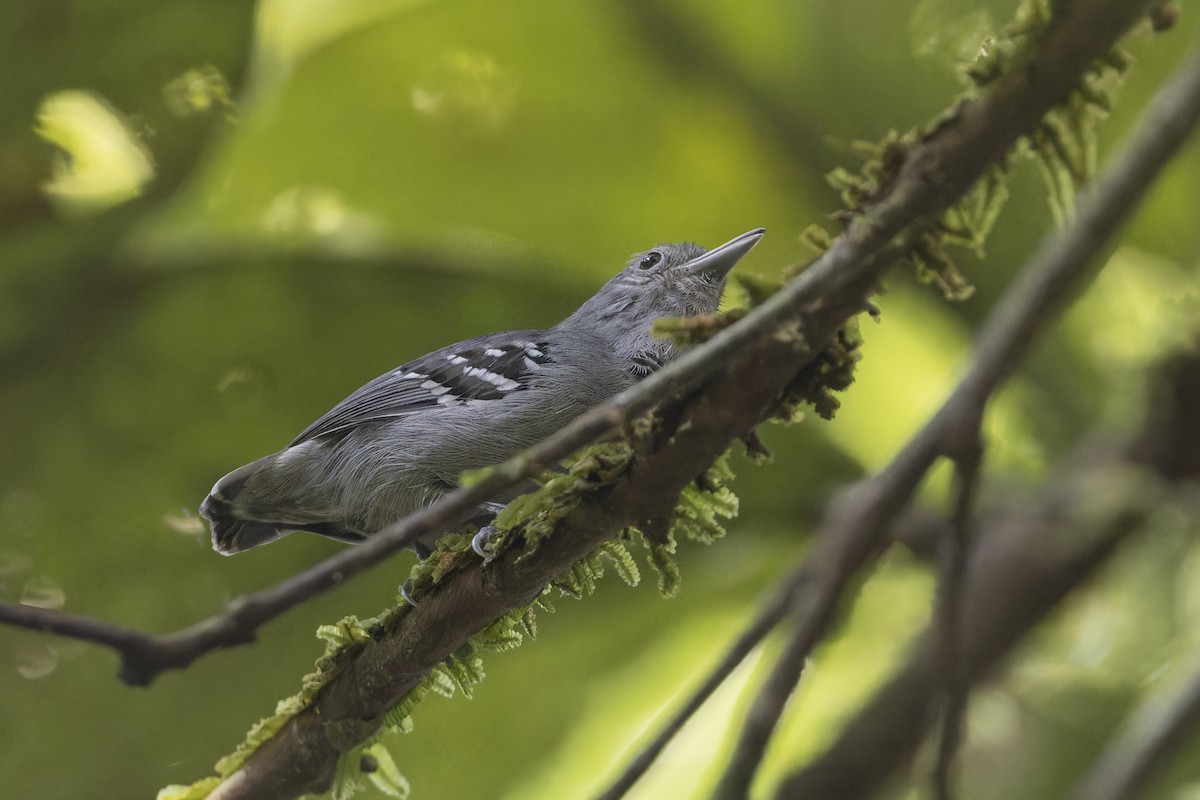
(217, 218)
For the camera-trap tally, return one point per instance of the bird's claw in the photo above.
(406, 592)
(479, 542)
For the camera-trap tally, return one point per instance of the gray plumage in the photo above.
(402, 440)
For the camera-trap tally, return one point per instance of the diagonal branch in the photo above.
(1014, 583)
(952, 583)
(769, 615)
(855, 527)
(936, 173)
(746, 368)
(757, 359)
(1087, 512)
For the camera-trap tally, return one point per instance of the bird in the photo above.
(402, 440)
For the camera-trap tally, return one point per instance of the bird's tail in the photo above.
(241, 520)
(231, 535)
(232, 531)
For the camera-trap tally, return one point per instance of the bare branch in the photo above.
(85, 629)
(1015, 581)
(952, 585)
(757, 364)
(936, 173)
(856, 525)
(768, 616)
(1057, 271)
(746, 368)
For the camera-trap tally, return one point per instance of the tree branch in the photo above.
(747, 367)
(1014, 583)
(1087, 511)
(855, 526)
(951, 588)
(936, 173)
(769, 615)
(822, 298)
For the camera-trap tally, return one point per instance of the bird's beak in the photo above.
(718, 261)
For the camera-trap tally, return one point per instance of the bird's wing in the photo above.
(479, 370)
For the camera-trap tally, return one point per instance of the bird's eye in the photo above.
(650, 259)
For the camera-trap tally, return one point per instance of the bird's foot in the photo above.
(406, 592)
(480, 541)
(487, 543)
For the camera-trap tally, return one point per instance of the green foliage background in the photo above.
(399, 174)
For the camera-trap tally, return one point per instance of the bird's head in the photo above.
(670, 280)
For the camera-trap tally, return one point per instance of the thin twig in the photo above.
(936, 172)
(747, 367)
(144, 656)
(952, 585)
(828, 292)
(768, 616)
(1056, 272)
(940, 169)
(85, 629)
(1015, 581)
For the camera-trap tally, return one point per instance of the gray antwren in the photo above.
(402, 440)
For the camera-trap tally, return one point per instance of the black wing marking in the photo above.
(644, 362)
(479, 370)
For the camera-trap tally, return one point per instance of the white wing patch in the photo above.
(496, 379)
(474, 372)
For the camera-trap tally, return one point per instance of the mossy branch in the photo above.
(713, 395)
(751, 365)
